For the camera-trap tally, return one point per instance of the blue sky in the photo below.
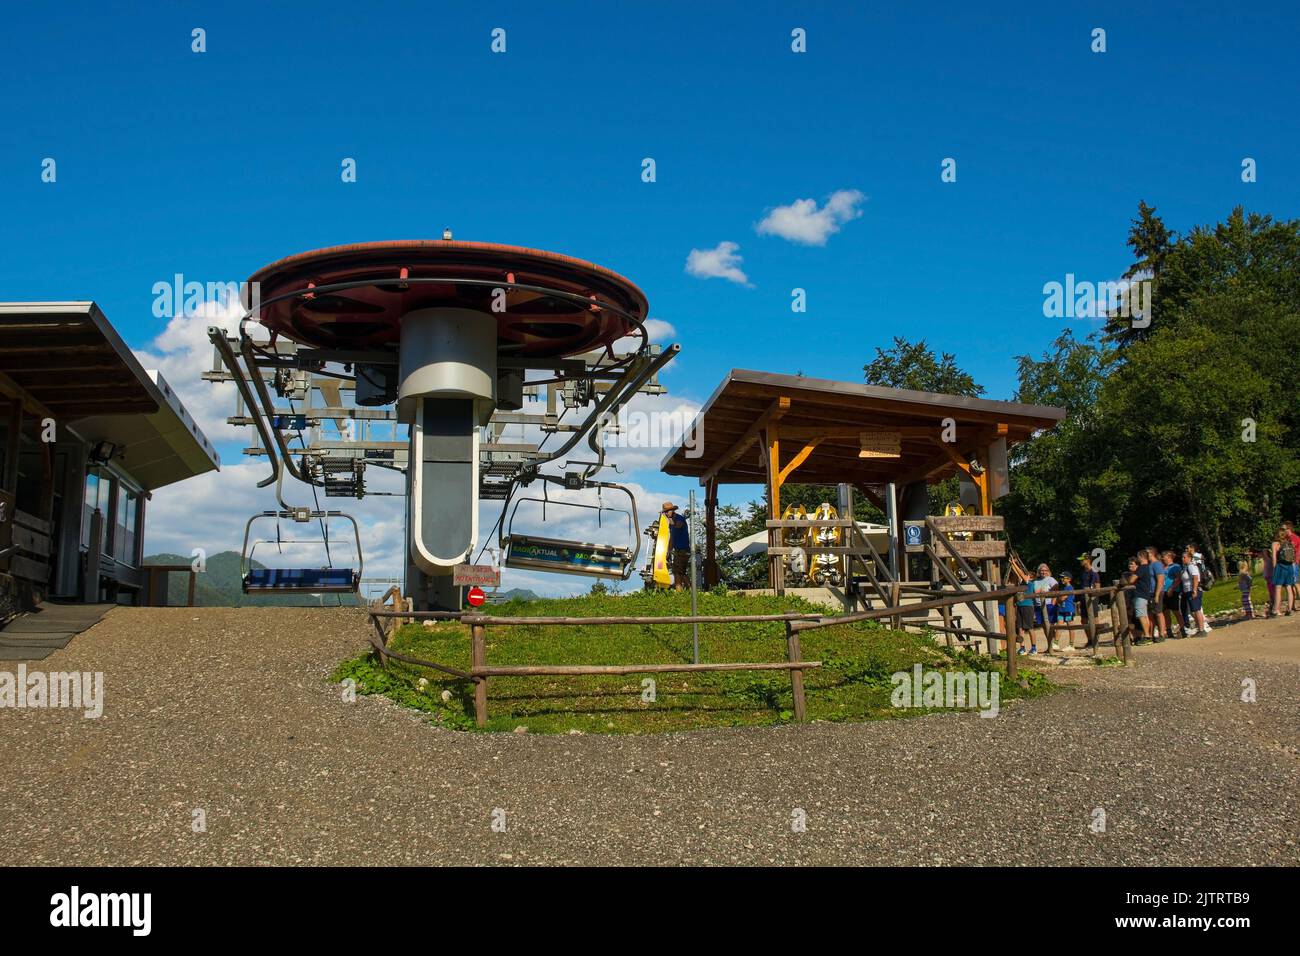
(214, 164)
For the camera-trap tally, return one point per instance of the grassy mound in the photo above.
(853, 683)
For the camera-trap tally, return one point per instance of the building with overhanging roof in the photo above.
(887, 443)
(86, 436)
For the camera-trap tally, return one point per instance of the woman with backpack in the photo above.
(1284, 572)
(1192, 591)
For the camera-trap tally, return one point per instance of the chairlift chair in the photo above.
(538, 553)
(323, 580)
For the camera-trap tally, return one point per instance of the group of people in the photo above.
(1166, 588)
(1052, 615)
(1280, 574)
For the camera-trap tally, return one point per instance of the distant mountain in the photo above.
(514, 594)
(220, 585)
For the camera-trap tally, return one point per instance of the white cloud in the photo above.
(209, 511)
(182, 352)
(803, 222)
(721, 262)
(657, 330)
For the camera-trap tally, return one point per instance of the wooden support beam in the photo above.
(772, 414)
(711, 575)
(798, 459)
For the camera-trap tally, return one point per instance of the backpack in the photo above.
(1286, 551)
(1207, 576)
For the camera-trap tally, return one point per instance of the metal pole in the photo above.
(695, 627)
(891, 518)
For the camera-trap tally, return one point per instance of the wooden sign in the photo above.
(880, 444)
(478, 575)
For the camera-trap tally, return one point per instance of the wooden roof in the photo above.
(726, 441)
(65, 360)
(70, 360)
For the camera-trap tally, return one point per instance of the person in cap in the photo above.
(679, 545)
(1088, 579)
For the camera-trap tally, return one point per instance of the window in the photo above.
(124, 534)
(99, 494)
(107, 498)
(88, 506)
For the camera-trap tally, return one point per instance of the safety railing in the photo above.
(480, 671)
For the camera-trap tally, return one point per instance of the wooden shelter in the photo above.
(86, 434)
(764, 428)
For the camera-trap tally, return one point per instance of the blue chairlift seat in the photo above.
(256, 580)
(300, 580)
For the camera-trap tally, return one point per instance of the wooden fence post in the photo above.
(1090, 622)
(1013, 636)
(479, 660)
(794, 655)
(1125, 621)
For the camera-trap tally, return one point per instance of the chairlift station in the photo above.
(438, 336)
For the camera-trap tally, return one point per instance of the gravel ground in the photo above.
(228, 711)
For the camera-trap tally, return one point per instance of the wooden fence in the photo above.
(383, 614)
(480, 670)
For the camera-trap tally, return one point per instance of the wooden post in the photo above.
(1013, 636)
(193, 583)
(1125, 621)
(479, 659)
(894, 596)
(1115, 627)
(946, 613)
(1090, 622)
(793, 654)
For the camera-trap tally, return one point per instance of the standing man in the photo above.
(1144, 594)
(1158, 629)
(679, 543)
(1088, 579)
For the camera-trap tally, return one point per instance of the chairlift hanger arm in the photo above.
(622, 392)
(219, 341)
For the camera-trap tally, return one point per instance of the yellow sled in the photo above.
(823, 567)
(661, 575)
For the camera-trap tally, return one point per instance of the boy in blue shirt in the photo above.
(1159, 631)
(1173, 594)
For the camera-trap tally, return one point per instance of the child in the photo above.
(1065, 607)
(1025, 616)
(1245, 582)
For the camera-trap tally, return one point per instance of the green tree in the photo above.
(1188, 431)
(914, 365)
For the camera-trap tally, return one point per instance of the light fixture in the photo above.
(103, 452)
